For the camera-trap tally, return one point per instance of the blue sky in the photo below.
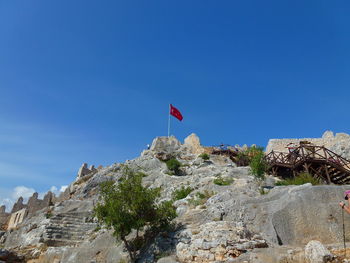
(90, 81)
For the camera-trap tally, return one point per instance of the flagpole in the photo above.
(169, 123)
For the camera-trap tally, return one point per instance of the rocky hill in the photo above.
(246, 220)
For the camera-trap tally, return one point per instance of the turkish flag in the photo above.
(176, 113)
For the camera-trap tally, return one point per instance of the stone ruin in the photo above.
(338, 143)
(4, 217)
(20, 211)
(84, 170)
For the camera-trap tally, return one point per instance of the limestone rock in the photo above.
(167, 260)
(315, 252)
(217, 241)
(193, 144)
(165, 144)
(328, 135)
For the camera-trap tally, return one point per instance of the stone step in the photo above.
(66, 233)
(68, 237)
(61, 242)
(77, 217)
(82, 220)
(86, 225)
(68, 230)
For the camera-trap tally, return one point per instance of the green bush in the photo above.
(182, 193)
(245, 157)
(302, 178)
(173, 165)
(257, 161)
(221, 181)
(48, 214)
(201, 198)
(204, 156)
(130, 206)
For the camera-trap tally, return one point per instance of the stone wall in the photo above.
(339, 143)
(3, 217)
(35, 204)
(20, 211)
(17, 218)
(84, 170)
(18, 205)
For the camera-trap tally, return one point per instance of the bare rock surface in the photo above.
(315, 252)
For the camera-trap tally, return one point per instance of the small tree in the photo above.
(128, 205)
(257, 161)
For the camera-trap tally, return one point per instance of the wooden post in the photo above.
(327, 173)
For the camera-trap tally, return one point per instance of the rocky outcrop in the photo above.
(216, 223)
(216, 241)
(193, 145)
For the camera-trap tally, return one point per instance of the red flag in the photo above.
(176, 113)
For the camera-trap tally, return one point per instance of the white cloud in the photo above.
(8, 203)
(54, 190)
(57, 192)
(23, 191)
(63, 188)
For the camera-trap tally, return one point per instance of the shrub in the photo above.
(182, 193)
(302, 178)
(201, 198)
(129, 206)
(48, 214)
(257, 162)
(221, 181)
(245, 157)
(204, 156)
(173, 165)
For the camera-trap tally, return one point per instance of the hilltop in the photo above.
(228, 216)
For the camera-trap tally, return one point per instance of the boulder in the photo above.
(165, 144)
(315, 252)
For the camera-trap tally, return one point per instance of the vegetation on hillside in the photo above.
(204, 156)
(201, 198)
(182, 193)
(302, 178)
(257, 161)
(173, 165)
(129, 206)
(254, 157)
(221, 181)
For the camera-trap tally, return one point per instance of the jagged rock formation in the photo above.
(230, 223)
